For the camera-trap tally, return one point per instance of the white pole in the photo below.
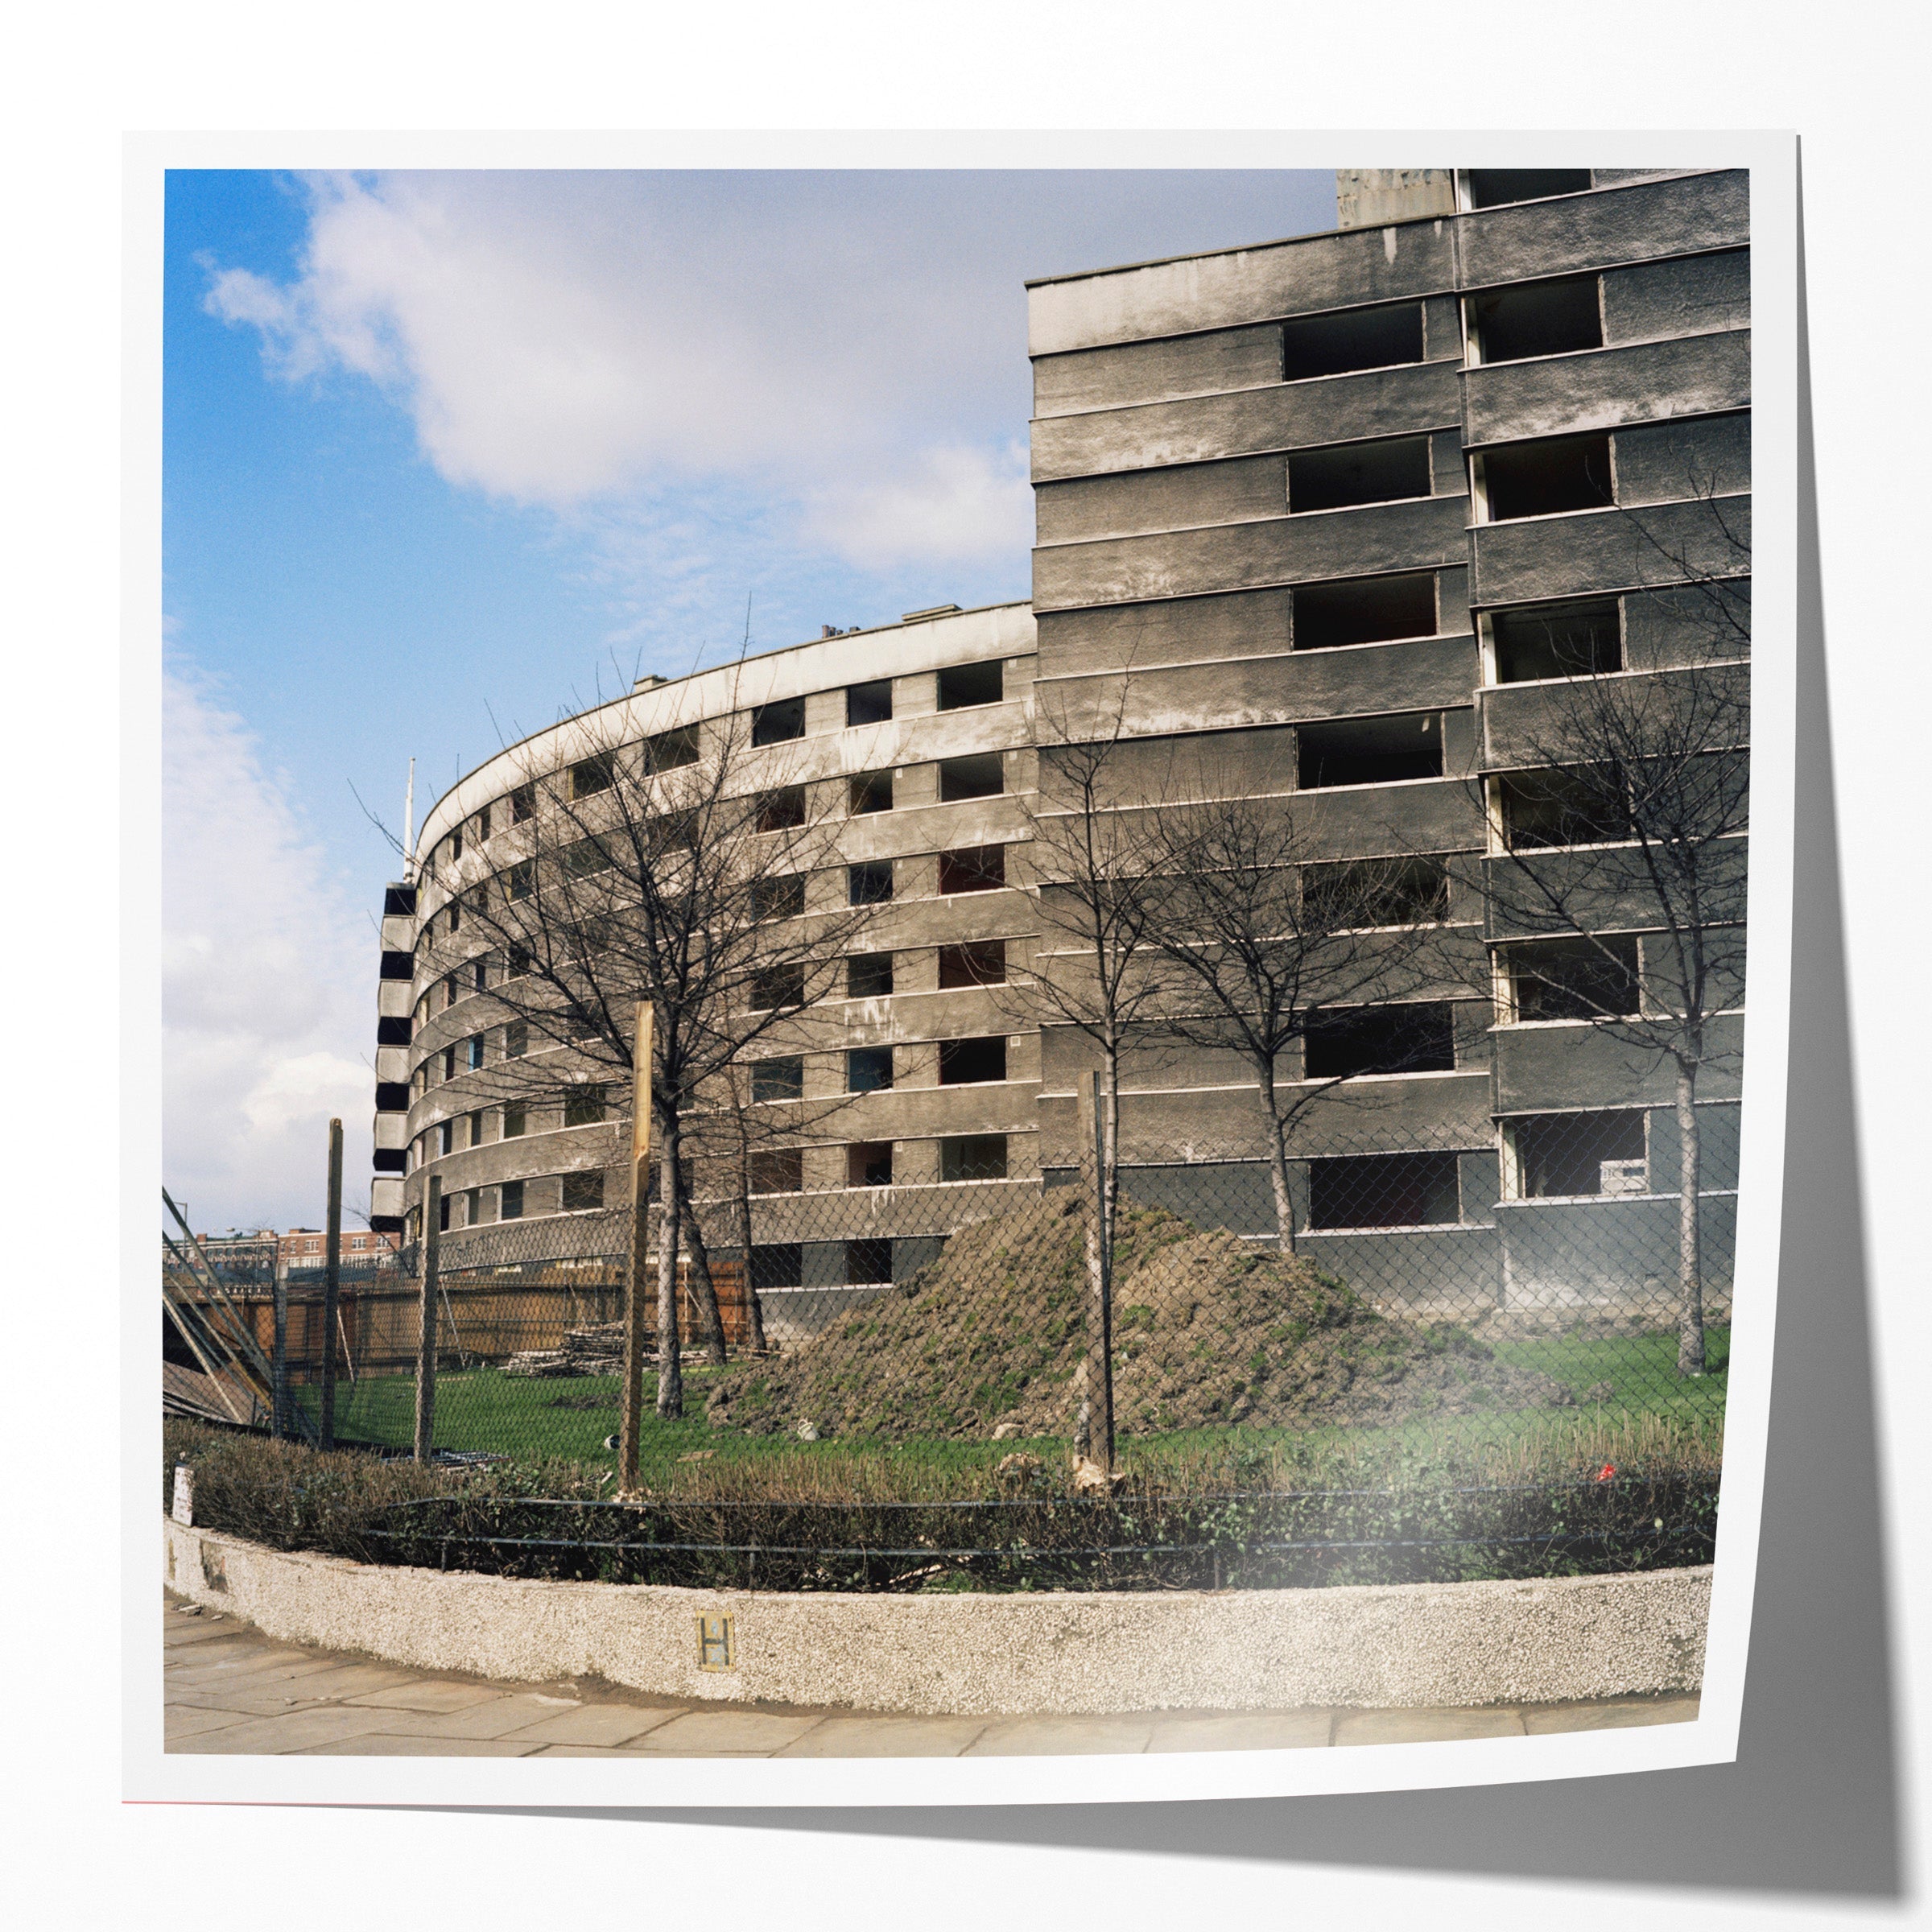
(409, 827)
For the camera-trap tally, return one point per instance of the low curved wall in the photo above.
(1374, 1646)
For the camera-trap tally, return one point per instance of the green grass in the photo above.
(1651, 1413)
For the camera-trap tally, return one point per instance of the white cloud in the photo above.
(953, 502)
(267, 986)
(562, 339)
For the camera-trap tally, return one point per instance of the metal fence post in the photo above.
(1100, 1248)
(425, 1332)
(639, 1216)
(331, 1284)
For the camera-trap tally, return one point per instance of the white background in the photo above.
(1849, 81)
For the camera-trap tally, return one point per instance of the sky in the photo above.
(449, 455)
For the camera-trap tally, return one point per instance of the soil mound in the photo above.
(1208, 1329)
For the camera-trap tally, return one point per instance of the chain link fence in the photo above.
(1523, 1309)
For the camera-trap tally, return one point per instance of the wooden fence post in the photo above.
(1100, 1250)
(426, 1330)
(331, 1284)
(640, 1216)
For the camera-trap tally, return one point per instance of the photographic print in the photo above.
(955, 966)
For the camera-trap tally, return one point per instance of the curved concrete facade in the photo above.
(442, 1011)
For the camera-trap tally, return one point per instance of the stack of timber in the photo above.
(596, 1351)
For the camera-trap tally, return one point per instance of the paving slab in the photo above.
(270, 1702)
(342, 1681)
(1424, 1727)
(601, 1724)
(887, 1737)
(736, 1733)
(185, 1633)
(431, 1695)
(1061, 1737)
(271, 1736)
(1243, 1730)
(378, 1745)
(269, 1666)
(513, 1711)
(185, 1720)
(1616, 1715)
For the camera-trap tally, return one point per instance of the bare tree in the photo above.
(1618, 795)
(689, 871)
(1268, 942)
(1096, 965)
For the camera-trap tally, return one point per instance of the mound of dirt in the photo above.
(1208, 1329)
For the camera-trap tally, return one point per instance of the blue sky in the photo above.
(447, 454)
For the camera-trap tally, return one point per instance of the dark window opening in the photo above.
(778, 1170)
(1362, 338)
(973, 1157)
(869, 703)
(1348, 474)
(449, 1062)
(780, 898)
(983, 776)
(516, 1039)
(1404, 1038)
(392, 1096)
(777, 1264)
(523, 804)
(972, 869)
(583, 1106)
(1576, 979)
(1558, 641)
(778, 987)
(480, 974)
(446, 1137)
(483, 823)
(583, 1193)
(442, 1205)
(1565, 805)
(1549, 478)
(778, 722)
(783, 1079)
(455, 845)
(1359, 893)
(399, 902)
(392, 1160)
(586, 859)
(456, 917)
(973, 1063)
(782, 810)
(871, 791)
(1369, 751)
(982, 963)
(516, 962)
(510, 1201)
(473, 1046)
(516, 1121)
(1366, 610)
(867, 1069)
(867, 1263)
(398, 966)
(592, 775)
(1497, 187)
(965, 685)
(869, 975)
(870, 883)
(1538, 319)
(868, 1164)
(393, 1032)
(670, 751)
(520, 881)
(1383, 1191)
(1559, 1154)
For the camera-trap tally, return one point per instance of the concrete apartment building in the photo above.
(1305, 507)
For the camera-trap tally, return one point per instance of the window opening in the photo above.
(1383, 1191)
(1369, 751)
(962, 686)
(973, 1063)
(982, 776)
(1418, 1038)
(1388, 471)
(1360, 338)
(979, 962)
(1364, 610)
(869, 703)
(1547, 478)
(1554, 318)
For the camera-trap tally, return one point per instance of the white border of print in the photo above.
(150, 1774)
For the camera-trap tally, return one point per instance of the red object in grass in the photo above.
(1604, 1474)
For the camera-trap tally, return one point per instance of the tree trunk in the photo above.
(1110, 1153)
(703, 1289)
(754, 1305)
(1690, 1261)
(1277, 1167)
(671, 1366)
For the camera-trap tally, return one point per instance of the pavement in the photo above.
(230, 1688)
